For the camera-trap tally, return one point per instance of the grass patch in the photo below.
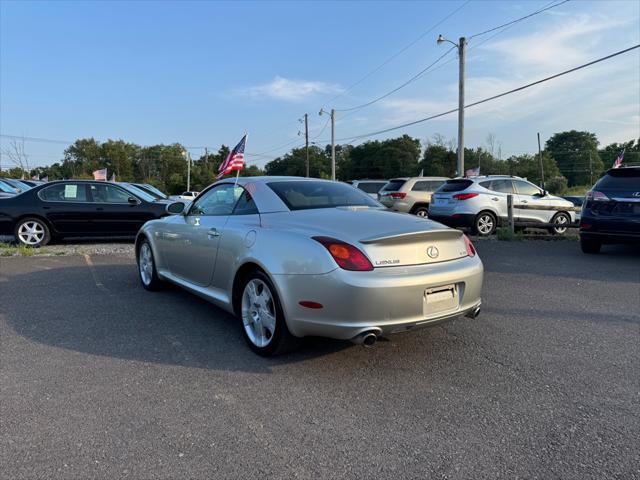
(577, 191)
(8, 250)
(504, 234)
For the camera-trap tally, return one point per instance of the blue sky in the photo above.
(202, 73)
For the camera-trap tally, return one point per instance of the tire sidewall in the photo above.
(281, 332)
(555, 217)
(475, 224)
(47, 232)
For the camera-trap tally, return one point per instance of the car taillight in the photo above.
(597, 196)
(471, 250)
(346, 256)
(464, 196)
(398, 195)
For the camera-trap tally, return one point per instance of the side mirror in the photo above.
(175, 208)
(132, 201)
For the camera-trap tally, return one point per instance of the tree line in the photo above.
(569, 158)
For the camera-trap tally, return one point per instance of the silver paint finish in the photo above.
(389, 298)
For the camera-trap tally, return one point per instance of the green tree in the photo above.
(294, 163)
(576, 154)
(631, 149)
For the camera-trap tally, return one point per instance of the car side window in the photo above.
(64, 192)
(105, 193)
(220, 200)
(245, 205)
(502, 186)
(526, 188)
(420, 187)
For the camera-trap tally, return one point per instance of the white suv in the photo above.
(481, 204)
(410, 195)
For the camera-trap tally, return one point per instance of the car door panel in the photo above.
(66, 208)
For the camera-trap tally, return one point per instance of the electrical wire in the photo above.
(35, 139)
(412, 79)
(402, 50)
(543, 9)
(528, 85)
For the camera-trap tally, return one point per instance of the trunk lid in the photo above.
(389, 239)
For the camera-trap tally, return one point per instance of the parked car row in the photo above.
(77, 208)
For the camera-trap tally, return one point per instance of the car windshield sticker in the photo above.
(70, 191)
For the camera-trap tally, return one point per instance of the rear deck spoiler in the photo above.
(439, 233)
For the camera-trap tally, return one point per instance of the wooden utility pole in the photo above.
(306, 140)
(541, 166)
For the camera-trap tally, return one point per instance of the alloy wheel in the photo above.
(485, 224)
(145, 264)
(561, 222)
(31, 232)
(258, 312)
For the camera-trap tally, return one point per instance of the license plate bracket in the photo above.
(439, 299)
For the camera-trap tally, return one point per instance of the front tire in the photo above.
(147, 267)
(263, 324)
(422, 211)
(485, 224)
(590, 246)
(32, 232)
(561, 221)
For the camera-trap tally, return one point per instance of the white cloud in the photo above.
(290, 90)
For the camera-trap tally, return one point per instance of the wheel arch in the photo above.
(418, 205)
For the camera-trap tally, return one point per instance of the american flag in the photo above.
(473, 172)
(618, 161)
(35, 177)
(100, 174)
(235, 159)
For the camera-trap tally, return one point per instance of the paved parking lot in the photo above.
(101, 379)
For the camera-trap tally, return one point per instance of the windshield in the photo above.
(153, 190)
(17, 184)
(147, 197)
(303, 195)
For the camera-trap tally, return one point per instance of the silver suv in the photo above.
(410, 195)
(481, 204)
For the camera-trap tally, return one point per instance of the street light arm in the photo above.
(441, 39)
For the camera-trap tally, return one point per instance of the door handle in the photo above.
(523, 201)
(213, 233)
(100, 209)
(495, 199)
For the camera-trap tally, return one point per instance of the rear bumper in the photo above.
(385, 300)
(611, 229)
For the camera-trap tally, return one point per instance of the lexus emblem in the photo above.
(636, 194)
(433, 252)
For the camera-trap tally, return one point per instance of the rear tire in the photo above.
(590, 246)
(485, 224)
(32, 232)
(421, 211)
(263, 324)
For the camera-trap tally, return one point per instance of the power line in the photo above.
(35, 139)
(543, 9)
(408, 124)
(412, 79)
(402, 50)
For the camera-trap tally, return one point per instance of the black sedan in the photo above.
(611, 211)
(76, 208)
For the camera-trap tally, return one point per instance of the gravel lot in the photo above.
(101, 379)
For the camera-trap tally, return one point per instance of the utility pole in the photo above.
(206, 156)
(541, 166)
(306, 140)
(333, 141)
(461, 45)
(188, 158)
(590, 170)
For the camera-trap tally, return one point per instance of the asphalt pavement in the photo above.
(102, 379)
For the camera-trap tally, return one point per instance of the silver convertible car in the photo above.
(293, 257)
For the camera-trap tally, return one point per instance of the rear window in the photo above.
(427, 185)
(371, 187)
(304, 195)
(455, 185)
(393, 185)
(623, 179)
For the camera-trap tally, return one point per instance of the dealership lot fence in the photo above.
(512, 224)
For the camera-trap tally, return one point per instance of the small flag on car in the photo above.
(473, 172)
(235, 159)
(35, 177)
(113, 177)
(45, 179)
(618, 161)
(100, 174)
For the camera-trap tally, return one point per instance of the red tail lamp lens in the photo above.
(464, 196)
(398, 195)
(309, 304)
(346, 256)
(471, 250)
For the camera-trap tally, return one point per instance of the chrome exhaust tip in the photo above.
(368, 339)
(474, 313)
